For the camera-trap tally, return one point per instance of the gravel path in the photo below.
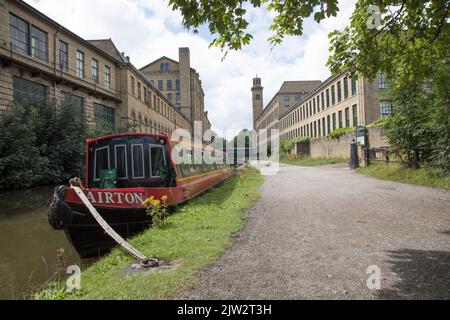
(315, 231)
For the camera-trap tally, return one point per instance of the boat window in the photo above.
(185, 170)
(137, 160)
(121, 161)
(101, 161)
(157, 160)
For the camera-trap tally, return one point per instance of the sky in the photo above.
(148, 29)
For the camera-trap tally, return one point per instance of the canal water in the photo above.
(28, 245)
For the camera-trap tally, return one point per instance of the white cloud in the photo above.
(148, 29)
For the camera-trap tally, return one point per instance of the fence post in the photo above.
(366, 157)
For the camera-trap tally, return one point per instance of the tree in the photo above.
(227, 19)
(404, 39)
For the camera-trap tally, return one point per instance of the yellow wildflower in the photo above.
(155, 203)
(164, 198)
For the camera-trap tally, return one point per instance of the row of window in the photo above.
(138, 169)
(145, 125)
(30, 40)
(189, 170)
(320, 102)
(27, 38)
(156, 103)
(322, 127)
(169, 85)
(32, 92)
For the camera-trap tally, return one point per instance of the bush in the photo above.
(419, 128)
(287, 145)
(41, 144)
(336, 134)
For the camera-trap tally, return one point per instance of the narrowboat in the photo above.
(122, 170)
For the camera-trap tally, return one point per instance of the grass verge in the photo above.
(190, 239)
(395, 172)
(310, 162)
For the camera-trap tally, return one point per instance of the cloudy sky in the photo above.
(148, 29)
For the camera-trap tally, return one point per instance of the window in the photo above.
(72, 100)
(328, 98)
(328, 125)
(104, 117)
(94, 66)
(164, 67)
(137, 160)
(339, 93)
(20, 34)
(334, 121)
(333, 98)
(323, 101)
(121, 161)
(382, 82)
(355, 115)
(385, 108)
(324, 127)
(139, 91)
(287, 99)
(101, 161)
(177, 84)
(314, 105)
(133, 89)
(146, 93)
(178, 99)
(340, 119)
(169, 85)
(157, 160)
(169, 96)
(24, 90)
(160, 85)
(298, 98)
(353, 84)
(38, 43)
(63, 56)
(257, 97)
(345, 87)
(107, 78)
(27, 39)
(80, 64)
(347, 117)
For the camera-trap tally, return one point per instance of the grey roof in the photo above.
(107, 46)
(298, 86)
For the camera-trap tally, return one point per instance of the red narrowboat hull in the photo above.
(123, 210)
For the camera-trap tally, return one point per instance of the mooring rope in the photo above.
(143, 260)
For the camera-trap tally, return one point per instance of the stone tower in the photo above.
(257, 99)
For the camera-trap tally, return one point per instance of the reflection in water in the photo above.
(28, 245)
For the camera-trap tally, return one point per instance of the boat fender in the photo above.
(60, 215)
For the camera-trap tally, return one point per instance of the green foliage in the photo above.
(411, 46)
(336, 134)
(380, 122)
(41, 144)
(157, 210)
(227, 20)
(286, 146)
(192, 238)
(412, 38)
(419, 129)
(425, 176)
